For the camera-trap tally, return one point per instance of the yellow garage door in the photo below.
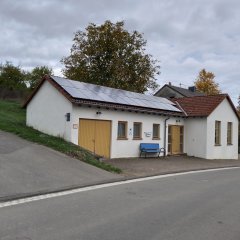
(94, 135)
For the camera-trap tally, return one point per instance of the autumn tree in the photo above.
(109, 55)
(34, 77)
(205, 83)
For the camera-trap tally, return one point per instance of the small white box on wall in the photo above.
(75, 126)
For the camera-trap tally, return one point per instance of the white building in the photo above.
(112, 122)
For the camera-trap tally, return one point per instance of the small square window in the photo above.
(137, 130)
(122, 130)
(156, 131)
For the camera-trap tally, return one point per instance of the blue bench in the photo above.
(151, 148)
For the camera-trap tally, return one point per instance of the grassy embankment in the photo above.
(13, 119)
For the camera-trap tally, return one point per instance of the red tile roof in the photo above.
(201, 106)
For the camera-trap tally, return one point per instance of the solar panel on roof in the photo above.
(104, 97)
(130, 101)
(105, 94)
(155, 105)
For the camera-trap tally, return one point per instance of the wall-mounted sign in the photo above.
(75, 126)
(148, 134)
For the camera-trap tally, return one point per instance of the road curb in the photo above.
(19, 196)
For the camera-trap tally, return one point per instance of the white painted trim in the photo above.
(100, 186)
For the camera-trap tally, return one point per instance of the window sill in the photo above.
(122, 138)
(137, 138)
(217, 145)
(230, 144)
(156, 138)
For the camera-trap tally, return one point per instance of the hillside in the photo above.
(13, 119)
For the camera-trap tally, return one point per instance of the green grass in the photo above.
(13, 119)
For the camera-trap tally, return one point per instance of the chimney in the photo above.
(170, 84)
(192, 89)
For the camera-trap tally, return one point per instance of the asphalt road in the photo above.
(28, 168)
(197, 206)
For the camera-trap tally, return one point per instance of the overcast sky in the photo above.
(185, 36)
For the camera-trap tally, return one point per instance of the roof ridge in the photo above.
(205, 96)
(102, 86)
(185, 92)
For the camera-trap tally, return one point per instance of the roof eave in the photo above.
(231, 104)
(53, 83)
(34, 91)
(233, 107)
(126, 107)
(98, 103)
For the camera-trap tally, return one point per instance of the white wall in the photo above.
(195, 137)
(122, 148)
(46, 112)
(223, 113)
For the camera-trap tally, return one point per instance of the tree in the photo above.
(205, 83)
(35, 76)
(12, 77)
(111, 56)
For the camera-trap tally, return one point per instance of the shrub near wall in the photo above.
(9, 94)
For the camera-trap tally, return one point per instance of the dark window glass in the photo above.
(217, 132)
(229, 133)
(137, 130)
(156, 131)
(122, 130)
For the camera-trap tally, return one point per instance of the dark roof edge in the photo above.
(226, 96)
(167, 85)
(119, 106)
(233, 107)
(160, 89)
(174, 89)
(97, 103)
(34, 92)
(53, 83)
(127, 107)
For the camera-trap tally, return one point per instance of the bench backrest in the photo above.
(149, 146)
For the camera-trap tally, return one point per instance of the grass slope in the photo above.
(13, 119)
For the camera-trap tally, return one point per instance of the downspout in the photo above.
(165, 135)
